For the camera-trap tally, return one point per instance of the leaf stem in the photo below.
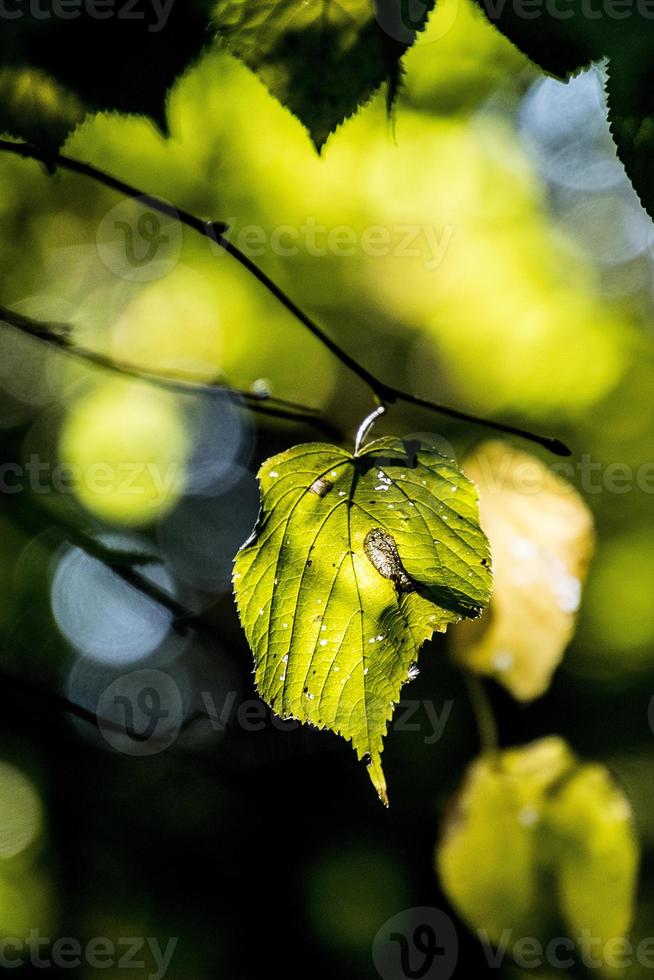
(366, 426)
(483, 712)
(216, 232)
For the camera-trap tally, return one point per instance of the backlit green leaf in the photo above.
(630, 94)
(354, 563)
(104, 56)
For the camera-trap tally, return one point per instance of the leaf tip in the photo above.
(377, 779)
(318, 140)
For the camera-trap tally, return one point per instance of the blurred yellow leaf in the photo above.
(541, 535)
(598, 855)
(535, 839)
(488, 855)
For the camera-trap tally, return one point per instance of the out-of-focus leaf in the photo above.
(488, 854)
(323, 58)
(125, 58)
(541, 535)
(563, 43)
(630, 91)
(598, 855)
(536, 838)
(560, 45)
(34, 108)
(460, 62)
(355, 562)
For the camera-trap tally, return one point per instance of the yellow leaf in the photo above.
(598, 858)
(488, 856)
(536, 839)
(541, 535)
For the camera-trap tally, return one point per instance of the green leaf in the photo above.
(536, 839)
(630, 92)
(560, 45)
(34, 108)
(103, 59)
(354, 563)
(598, 855)
(564, 44)
(322, 58)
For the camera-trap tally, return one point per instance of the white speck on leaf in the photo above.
(528, 816)
(503, 660)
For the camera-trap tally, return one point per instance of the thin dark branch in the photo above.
(182, 616)
(125, 567)
(61, 702)
(555, 446)
(121, 564)
(58, 335)
(57, 699)
(216, 232)
(53, 160)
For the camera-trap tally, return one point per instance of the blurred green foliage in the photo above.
(443, 255)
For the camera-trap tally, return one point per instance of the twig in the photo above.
(119, 563)
(61, 702)
(216, 232)
(555, 446)
(58, 335)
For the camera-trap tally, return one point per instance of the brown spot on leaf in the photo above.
(381, 552)
(321, 487)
